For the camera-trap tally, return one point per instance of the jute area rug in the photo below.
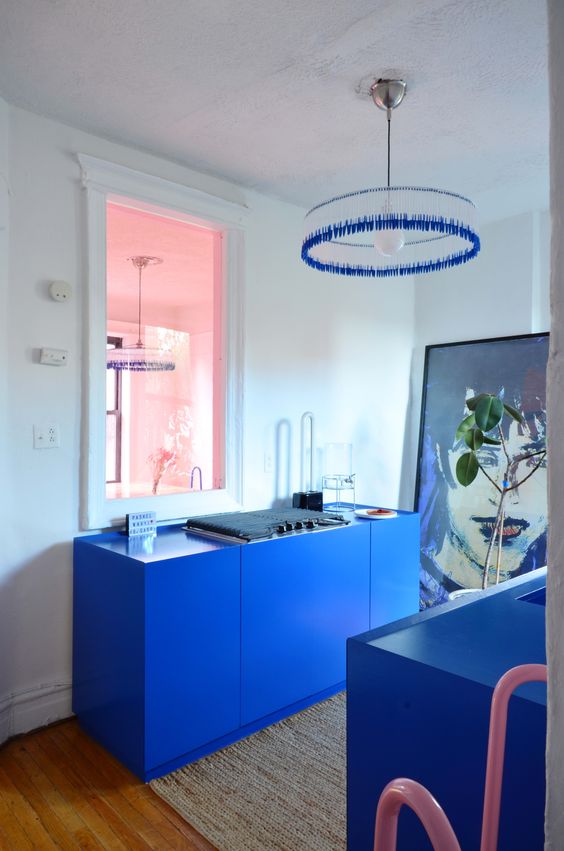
(281, 789)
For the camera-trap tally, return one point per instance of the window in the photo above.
(164, 394)
(164, 367)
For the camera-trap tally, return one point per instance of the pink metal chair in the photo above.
(406, 792)
(419, 799)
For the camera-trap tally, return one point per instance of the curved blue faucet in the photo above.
(199, 469)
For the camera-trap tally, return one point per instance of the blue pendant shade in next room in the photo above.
(392, 230)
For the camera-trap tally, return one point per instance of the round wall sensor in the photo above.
(60, 290)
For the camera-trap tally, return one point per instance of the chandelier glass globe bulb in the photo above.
(388, 243)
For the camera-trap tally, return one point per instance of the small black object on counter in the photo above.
(312, 500)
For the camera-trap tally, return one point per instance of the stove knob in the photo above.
(299, 525)
(310, 524)
(281, 529)
(289, 527)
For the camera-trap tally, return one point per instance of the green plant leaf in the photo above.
(467, 468)
(489, 412)
(513, 413)
(474, 438)
(473, 401)
(492, 441)
(466, 423)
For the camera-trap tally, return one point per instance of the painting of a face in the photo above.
(457, 521)
(472, 511)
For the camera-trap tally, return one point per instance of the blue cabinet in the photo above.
(156, 650)
(301, 597)
(184, 647)
(418, 702)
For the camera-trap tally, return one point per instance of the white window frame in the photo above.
(104, 181)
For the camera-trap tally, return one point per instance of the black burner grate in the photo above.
(254, 525)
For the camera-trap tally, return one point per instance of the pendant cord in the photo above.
(139, 341)
(389, 111)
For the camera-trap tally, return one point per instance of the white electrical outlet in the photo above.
(268, 462)
(46, 436)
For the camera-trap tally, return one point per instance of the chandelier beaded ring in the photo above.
(430, 229)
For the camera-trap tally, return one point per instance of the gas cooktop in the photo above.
(257, 525)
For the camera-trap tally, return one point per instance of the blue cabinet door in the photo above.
(108, 651)
(192, 653)
(302, 596)
(394, 569)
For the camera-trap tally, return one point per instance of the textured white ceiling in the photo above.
(264, 92)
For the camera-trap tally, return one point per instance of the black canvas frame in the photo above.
(426, 424)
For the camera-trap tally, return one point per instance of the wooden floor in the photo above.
(59, 789)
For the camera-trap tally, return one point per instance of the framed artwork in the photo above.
(457, 521)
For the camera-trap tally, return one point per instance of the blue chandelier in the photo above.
(138, 357)
(392, 230)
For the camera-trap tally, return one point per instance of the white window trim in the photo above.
(103, 182)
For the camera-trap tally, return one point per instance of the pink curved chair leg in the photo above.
(496, 746)
(419, 799)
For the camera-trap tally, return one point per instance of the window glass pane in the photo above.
(111, 388)
(111, 447)
(162, 306)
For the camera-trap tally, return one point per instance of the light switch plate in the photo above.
(54, 357)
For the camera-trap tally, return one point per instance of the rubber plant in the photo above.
(483, 426)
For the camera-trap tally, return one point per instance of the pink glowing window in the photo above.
(163, 381)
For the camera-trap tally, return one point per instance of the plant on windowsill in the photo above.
(160, 461)
(486, 415)
(175, 457)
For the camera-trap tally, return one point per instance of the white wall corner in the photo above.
(4, 163)
(540, 271)
(5, 194)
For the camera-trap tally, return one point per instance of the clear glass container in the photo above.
(338, 480)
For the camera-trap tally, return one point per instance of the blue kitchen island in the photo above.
(418, 702)
(183, 645)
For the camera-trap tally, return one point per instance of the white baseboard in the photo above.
(34, 707)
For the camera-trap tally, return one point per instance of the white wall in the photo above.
(503, 292)
(554, 827)
(334, 346)
(331, 345)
